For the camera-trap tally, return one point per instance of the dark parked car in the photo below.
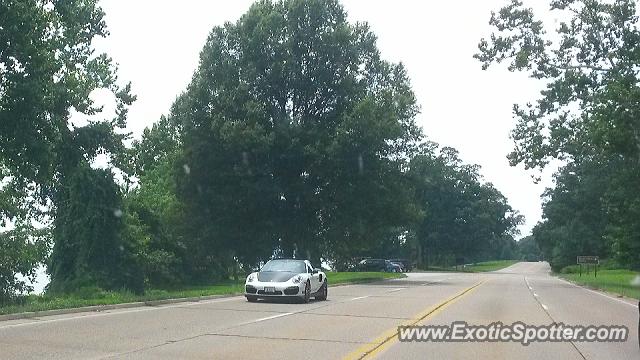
(406, 264)
(398, 264)
(378, 265)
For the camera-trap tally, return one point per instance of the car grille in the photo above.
(291, 290)
(250, 289)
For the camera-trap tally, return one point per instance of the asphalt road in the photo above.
(357, 321)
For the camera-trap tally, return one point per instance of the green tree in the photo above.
(48, 69)
(528, 249)
(463, 218)
(156, 214)
(587, 116)
(294, 136)
(575, 219)
(90, 247)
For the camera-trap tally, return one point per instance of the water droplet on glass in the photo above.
(117, 213)
(187, 169)
(360, 164)
(245, 158)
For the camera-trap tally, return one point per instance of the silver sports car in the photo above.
(282, 278)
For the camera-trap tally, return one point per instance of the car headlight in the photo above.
(297, 279)
(251, 277)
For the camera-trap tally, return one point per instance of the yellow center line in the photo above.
(390, 337)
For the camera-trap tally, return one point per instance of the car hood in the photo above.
(275, 276)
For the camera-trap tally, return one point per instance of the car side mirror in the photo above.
(316, 270)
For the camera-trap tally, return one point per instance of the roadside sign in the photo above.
(589, 260)
(593, 260)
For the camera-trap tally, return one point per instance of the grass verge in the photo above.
(615, 281)
(477, 267)
(490, 265)
(95, 296)
(359, 277)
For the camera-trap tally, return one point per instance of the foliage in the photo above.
(294, 138)
(587, 117)
(294, 134)
(528, 249)
(465, 220)
(48, 72)
(90, 247)
(155, 213)
(49, 69)
(23, 249)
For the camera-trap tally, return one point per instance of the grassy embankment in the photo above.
(89, 297)
(616, 281)
(477, 267)
(490, 265)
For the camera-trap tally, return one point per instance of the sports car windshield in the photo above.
(295, 266)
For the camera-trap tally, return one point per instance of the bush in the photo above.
(161, 268)
(571, 269)
(90, 292)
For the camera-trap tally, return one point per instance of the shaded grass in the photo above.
(96, 296)
(477, 267)
(490, 265)
(358, 277)
(616, 281)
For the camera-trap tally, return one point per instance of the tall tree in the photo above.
(588, 114)
(294, 131)
(90, 243)
(154, 207)
(48, 70)
(463, 218)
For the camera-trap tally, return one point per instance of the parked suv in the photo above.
(405, 263)
(378, 265)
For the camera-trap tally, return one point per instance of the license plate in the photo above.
(269, 289)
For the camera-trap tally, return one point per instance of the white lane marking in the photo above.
(534, 294)
(359, 297)
(116, 312)
(544, 306)
(599, 293)
(528, 285)
(266, 318)
(394, 290)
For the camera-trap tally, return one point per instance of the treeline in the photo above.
(294, 138)
(587, 119)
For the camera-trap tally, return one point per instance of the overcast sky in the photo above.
(157, 44)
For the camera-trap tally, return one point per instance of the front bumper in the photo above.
(257, 289)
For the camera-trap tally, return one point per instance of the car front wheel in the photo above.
(322, 295)
(307, 292)
(251, 298)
